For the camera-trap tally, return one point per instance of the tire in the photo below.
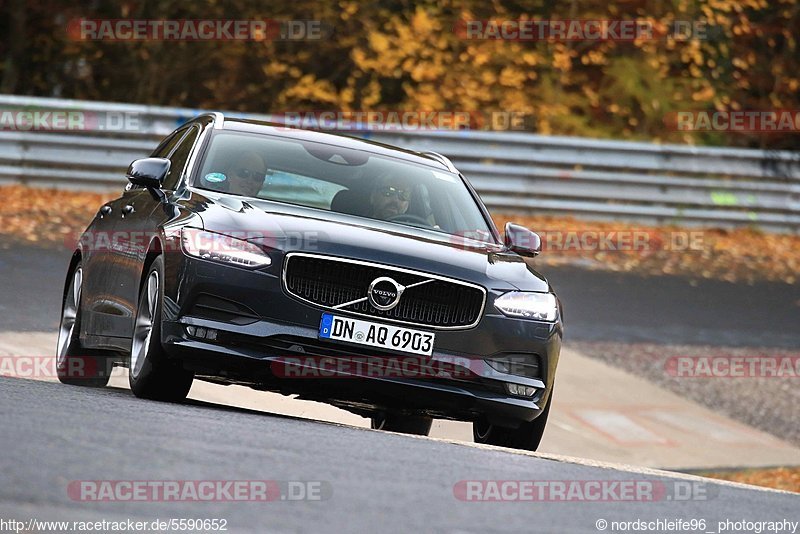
(419, 425)
(74, 365)
(527, 436)
(151, 374)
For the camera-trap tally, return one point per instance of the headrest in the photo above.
(350, 202)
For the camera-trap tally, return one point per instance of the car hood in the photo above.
(294, 228)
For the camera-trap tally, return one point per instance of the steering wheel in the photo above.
(409, 218)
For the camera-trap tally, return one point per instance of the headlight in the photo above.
(538, 306)
(223, 249)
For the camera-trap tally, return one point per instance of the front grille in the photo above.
(329, 282)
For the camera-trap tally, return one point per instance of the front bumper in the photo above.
(284, 329)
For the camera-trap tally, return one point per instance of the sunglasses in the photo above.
(402, 194)
(248, 174)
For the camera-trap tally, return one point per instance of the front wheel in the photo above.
(74, 365)
(419, 425)
(152, 375)
(527, 436)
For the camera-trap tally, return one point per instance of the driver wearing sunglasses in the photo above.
(389, 198)
(247, 173)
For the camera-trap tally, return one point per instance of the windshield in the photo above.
(343, 180)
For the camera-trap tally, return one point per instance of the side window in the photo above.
(168, 144)
(179, 157)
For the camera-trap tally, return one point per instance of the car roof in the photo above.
(346, 141)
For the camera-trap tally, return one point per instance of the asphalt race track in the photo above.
(54, 434)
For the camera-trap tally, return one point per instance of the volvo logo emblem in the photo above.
(384, 293)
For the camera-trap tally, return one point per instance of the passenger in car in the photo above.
(389, 198)
(246, 173)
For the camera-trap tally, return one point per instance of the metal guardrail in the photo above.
(519, 172)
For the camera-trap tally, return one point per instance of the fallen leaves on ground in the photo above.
(782, 478)
(46, 217)
(50, 217)
(735, 255)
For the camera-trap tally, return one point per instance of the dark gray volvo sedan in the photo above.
(340, 270)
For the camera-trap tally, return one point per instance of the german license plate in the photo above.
(376, 335)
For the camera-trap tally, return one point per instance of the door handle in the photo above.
(127, 210)
(105, 210)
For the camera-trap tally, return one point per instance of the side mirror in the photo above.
(148, 172)
(522, 241)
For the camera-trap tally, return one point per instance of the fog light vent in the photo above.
(526, 365)
(519, 390)
(202, 333)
